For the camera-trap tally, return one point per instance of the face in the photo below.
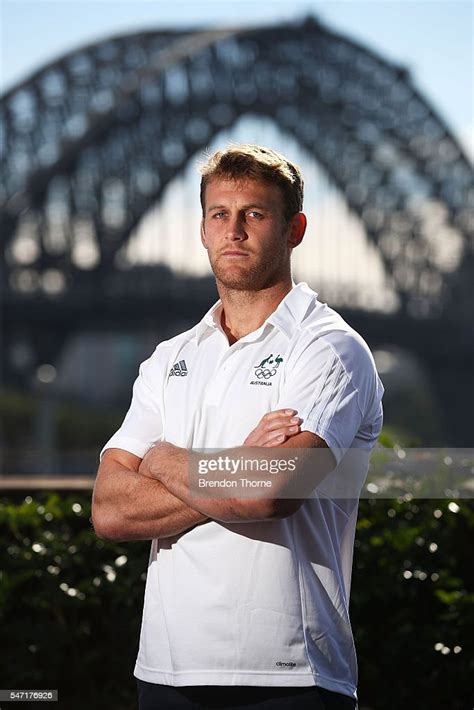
(247, 238)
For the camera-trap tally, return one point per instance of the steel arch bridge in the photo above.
(89, 143)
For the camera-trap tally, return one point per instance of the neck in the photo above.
(243, 312)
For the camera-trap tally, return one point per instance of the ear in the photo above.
(297, 228)
(203, 234)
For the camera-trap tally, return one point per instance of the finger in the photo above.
(280, 423)
(272, 422)
(278, 413)
(275, 441)
(279, 435)
(260, 438)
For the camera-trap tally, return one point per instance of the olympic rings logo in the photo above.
(264, 373)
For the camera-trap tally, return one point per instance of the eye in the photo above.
(255, 214)
(218, 215)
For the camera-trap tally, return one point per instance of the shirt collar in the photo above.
(292, 310)
(286, 317)
(211, 320)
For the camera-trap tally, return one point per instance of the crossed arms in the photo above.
(142, 499)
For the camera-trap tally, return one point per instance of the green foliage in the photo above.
(71, 604)
(412, 603)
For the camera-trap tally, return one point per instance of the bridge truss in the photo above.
(89, 143)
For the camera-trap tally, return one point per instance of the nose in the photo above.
(236, 228)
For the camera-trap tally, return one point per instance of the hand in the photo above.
(159, 460)
(274, 428)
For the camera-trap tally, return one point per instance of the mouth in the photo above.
(233, 253)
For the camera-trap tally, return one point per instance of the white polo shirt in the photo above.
(262, 603)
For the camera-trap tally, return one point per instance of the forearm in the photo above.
(129, 506)
(171, 465)
(175, 468)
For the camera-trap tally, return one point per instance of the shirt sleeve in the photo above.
(334, 386)
(143, 423)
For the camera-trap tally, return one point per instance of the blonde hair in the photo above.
(255, 162)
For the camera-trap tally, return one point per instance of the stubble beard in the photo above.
(250, 277)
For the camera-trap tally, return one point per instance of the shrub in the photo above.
(71, 604)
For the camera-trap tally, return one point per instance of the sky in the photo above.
(432, 38)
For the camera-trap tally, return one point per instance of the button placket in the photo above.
(217, 386)
(213, 388)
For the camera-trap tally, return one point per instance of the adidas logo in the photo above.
(179, 369)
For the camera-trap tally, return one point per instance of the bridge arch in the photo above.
(89, 142)
(120, 119)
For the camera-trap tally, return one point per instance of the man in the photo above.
(246, 600)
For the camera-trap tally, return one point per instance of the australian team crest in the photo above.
(267, 369)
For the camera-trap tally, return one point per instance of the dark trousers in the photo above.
(152, 696)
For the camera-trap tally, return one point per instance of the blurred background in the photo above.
(106, 110)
